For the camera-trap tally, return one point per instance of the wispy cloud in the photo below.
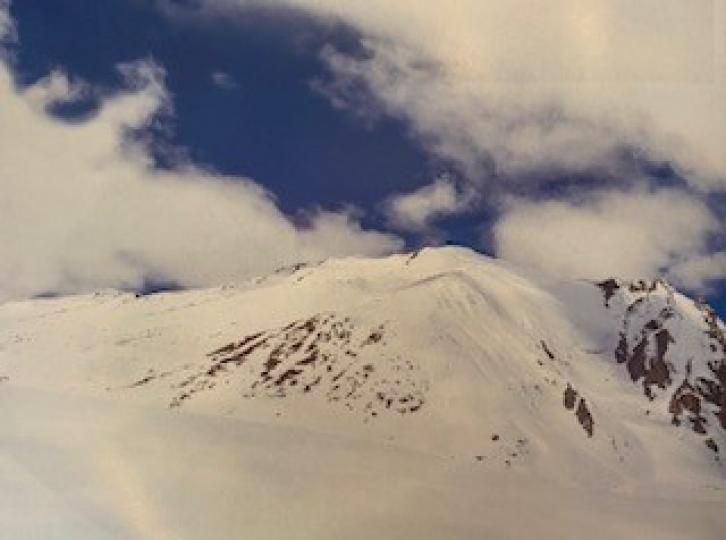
(8, 31)
(631, 235)
(84, 207)
(416, 211)
(524, 83)
(224, 80)
(514, 92)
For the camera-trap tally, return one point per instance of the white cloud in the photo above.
(631, 235)
(697, 271)
(82, 207)
(55, 88)
(415, 211)
(8, 32)
(224, 80)
(511, 89)
(550, 82)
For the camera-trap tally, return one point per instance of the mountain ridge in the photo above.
(614, 385)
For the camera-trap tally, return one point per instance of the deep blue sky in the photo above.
(270, 125)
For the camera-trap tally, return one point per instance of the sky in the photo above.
(148, 144)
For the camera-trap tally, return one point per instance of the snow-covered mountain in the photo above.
(427, 395)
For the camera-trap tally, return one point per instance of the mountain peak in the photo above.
(444, 353)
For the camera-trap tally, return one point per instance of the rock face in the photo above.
(675, 349)
(323, 354)
(584, 417)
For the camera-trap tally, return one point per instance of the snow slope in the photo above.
(428, 395)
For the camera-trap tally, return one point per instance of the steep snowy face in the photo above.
(675, 349)
(444, 351)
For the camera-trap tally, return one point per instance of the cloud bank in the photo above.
(624, 234)
(517, 93)
(83, 207)
(513, 93)
(517, 81)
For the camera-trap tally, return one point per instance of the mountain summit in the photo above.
(438, 393)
